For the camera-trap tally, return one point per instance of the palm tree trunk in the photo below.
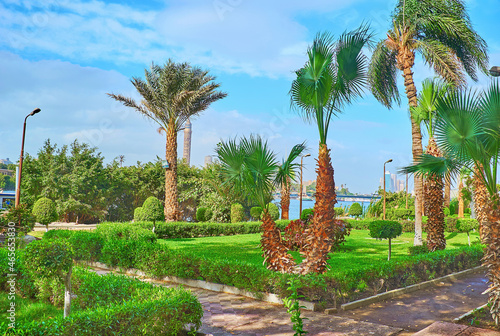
(318, 241)
(171, 199)
(460, 199)
(481, 199)
(275, 253)
(285, 200)
(447, 192)
(433, 202)
(491, 238)
(416, 138)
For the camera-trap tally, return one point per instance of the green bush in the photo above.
(400, 213)
(127, 231)
(355, 210)
(419, 249)
(339, 211)
(44, 211)
(274, 211)
(237, 213)
(467, 225)
(152, 210)
(446, 211)
(21, 216)
(120, 252)
(139, 215)
(307, 215)
(381, 229)
(87, 246)
(204, 214)
(255, 212)
(58, 234)
(454, 206)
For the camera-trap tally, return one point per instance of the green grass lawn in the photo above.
(28, 310)
(359, 250)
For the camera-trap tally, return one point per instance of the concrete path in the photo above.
(451, 329)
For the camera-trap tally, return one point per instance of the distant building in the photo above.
(7, 198)
(6, 161)
(208, 160)
(7, 172)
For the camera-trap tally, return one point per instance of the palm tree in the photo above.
(425, 112)
(171, 94)
(250, 168)
(441, 32)
(334, 76)
(285, 175)
(468, 133)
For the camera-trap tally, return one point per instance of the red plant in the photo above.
(294, 234)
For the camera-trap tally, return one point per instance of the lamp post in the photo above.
(18, 189)
(300, 191)
(390, 160)
(495, 71)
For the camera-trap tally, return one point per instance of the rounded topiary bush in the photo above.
(385, 229)
(339, 211)
(307, 215)
(204, 214)
(237, 213)
(256, 212)
(44, 211)
(355, 210)
(153, 210)
(274, 211)
(139, 215)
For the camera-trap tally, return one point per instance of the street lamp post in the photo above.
(390, 160)
(300, 191)
(495, 71)
(18, 189)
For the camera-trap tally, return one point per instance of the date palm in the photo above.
(250, 167)
(285, 175)
(334, 75)
(171, 94)
(468, 133)
(441, 32)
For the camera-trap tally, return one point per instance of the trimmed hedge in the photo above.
(110, 230)
(237, 213)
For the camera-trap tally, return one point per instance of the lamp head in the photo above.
(495, 71)
(390, 160)
(35, 111)
(307, 155)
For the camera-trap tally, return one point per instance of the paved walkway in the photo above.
(228, 314)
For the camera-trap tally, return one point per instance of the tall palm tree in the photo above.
(468, 133)
(441, 32)
(171, 94)
(425, 112)
(286, 174)
(250, 167)
(334, 75)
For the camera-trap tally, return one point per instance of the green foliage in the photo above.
(355, 210)
(256, 212)
(237, 213)
(339, 211)
(22, 218)
(467, 225)
(395, 203)
(418, 249)
(203, 214)
(125, 231)
(44, 211)
(153, 210)
(306, 215)
(49, 258)
(446, 211)
(381, 229)
(87, 246)
(139, 215)
(59, 234)
(454, 206)
(274, 211)
(403, 213)
(120, 252)
(293, 308)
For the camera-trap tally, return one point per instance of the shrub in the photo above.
(467, 225)
(381, 229)
(200, 214)
(355, 210)
(446, 211)
(126, 231)
(139, 215)
(120, 252)
(45, 212)
(152, 210)
(341, 230)
(87, 246)
(237, 213)
(418, 249)
(274, 211)
(21, 216)
(58, 234)
(294, 235)
(307, 215)
(450, 224)
(400, 213)
(255, 212)
(339, 211)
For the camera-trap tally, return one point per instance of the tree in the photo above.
(287, 171)
(355, 210)
(384, 229)
(45, 212)
(250, 167)
(334, 76)
(171, 94)
(152, 211)
(441, 32)
(51, 259)
(468, 133)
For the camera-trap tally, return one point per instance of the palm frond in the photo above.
(382, 75)
(427, 164)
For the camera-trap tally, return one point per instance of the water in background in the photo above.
(295, 204)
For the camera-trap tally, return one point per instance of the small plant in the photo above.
(293, 308)
(355, 210)
(339, 212)
(201, 214)
(467, 225)
(294, 234)
(256, 212)
(152, 210)
(45, 212)
(274, 211)
(139, 215)
(307, 215)
(237, 213)
(381, 229)
(418, 249)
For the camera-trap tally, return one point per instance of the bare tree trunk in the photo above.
(285, 200)
(481, 198)
(171, 199)
(460, 199)
(447, 192)
(67, 293)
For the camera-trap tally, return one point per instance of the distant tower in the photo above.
(187, 142)
(208, 160)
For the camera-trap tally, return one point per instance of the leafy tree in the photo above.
(45, 212)
(384, 229)
(139, 214)
(152, 211)
(256, 212)
(355, 210)
(441, 32)
(171, 94)
(467, 225)
(334, 76)
(237, 213)
(468, 133)
(21, 216)
(50, 259)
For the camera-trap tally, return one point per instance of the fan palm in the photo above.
(285, 175)
(171, 94)
(334, 76)
(441, 32)
(468, 133)
(250, 167)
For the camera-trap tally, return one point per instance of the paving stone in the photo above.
(442, 329)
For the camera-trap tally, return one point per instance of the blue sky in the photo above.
(64, 55)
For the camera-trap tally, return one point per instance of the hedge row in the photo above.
(107, 305)
(157, 261)
(452, 224)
